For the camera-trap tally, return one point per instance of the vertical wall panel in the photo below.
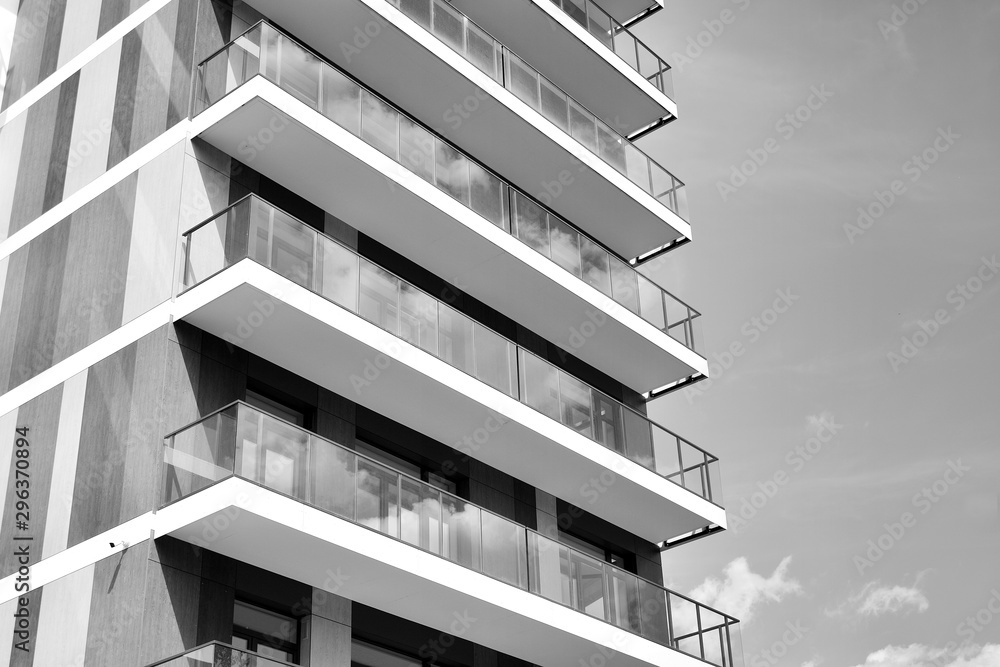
(64, 465)
(7, 631)
(53, 35)
(155, 234)
(61, 634)
(26, 53)
(152, 89)
(11, 139)
(59, 153)
(10, 313)
(32, 172)
(183, 63)
(116, 609)
(125, 89)
(95, 107)
(8, 423)
(82, 17)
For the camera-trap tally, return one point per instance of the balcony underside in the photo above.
(260, 527)
(624, 10)
(310, 336)
(412, 70)
(573, 59)
(315, 158)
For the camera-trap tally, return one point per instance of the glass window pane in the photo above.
(487, 195)
(206, 250)
(420, 515)
(482, 50)
(418, 318)
(448, 25)
(418, 10)
(522, 80)
(651, 302)
(576, 10)
(638, 166)
(638, 438)
(583, 126)
(378, 498)
(565, 246)
(539, 385)
(416, 149)
(200, 455)
(554, 104)
(333, 478)
(600, 25)
(300, 72)
(341, 100)
(338, 274)
(455, 339)
(587, 588)
(576, 408)
(611, 147)
(378, 124)
(504, 550)
(596, 265)
(493, 354)
(531, 223)
(452, 172)
(609, 426)
(623, 599)
(653, 613)
(379, 297)
(283, 452)
(547, 575)
(461, 532)
(624, 285)
(292, 246)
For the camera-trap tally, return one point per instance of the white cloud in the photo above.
(917, 655)
(742, 590)
(876, 600)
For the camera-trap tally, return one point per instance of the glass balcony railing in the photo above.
(264, 51)
(497, 61)
(253, 228)
(217, 654)
(620, 39)
(242, 441)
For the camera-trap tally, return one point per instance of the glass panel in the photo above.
(461, 533)
(452, 172)
(576, 408)
(531, 222)
(547, 570)
(583, 126)
(338, 274)
(522, 80)
(554, 104)
(539, 385)
(653, 613)
(200, 455)
(638, 438)
(292, 248)
(455, 343)
(623, 599)
(611, 147)
(420, 515)
(609, 429)
(333, 478)
(638, 166)
(684, 615)
(341, 100)
(665, 453)
(600, 25)
(418, 318)
(416, 149)
(504, 550)
(378, 124)
(418, 10)
(482, 50)
(378, 498)
(576, 10)
(624, 285)
(651, 302)
(596, 267)
(564, 242)
(283, 449)
(300, 72)
(448, 25)
(488, 195)
(206, 250)
(587, 584)
(493, 359)
(379, 296)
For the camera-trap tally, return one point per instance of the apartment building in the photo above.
(325, 339)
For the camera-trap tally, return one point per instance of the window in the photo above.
(592, 549)
(364, 654)
(405, 466)
(265, 632)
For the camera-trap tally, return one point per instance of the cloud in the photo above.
(742, 591)
(876, 600)
(917, 655)
(816, 424)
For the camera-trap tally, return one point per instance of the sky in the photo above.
(845, 259)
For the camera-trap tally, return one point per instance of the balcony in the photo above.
(217, 654)
(626, 11)
(517, 582)
(585, 50)
(552, 147)
(465, 223)
(285, 292)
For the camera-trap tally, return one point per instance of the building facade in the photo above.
(325, 338)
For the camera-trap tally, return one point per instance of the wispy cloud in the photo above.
(742, 591)
(875, 600)
(917, 655)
